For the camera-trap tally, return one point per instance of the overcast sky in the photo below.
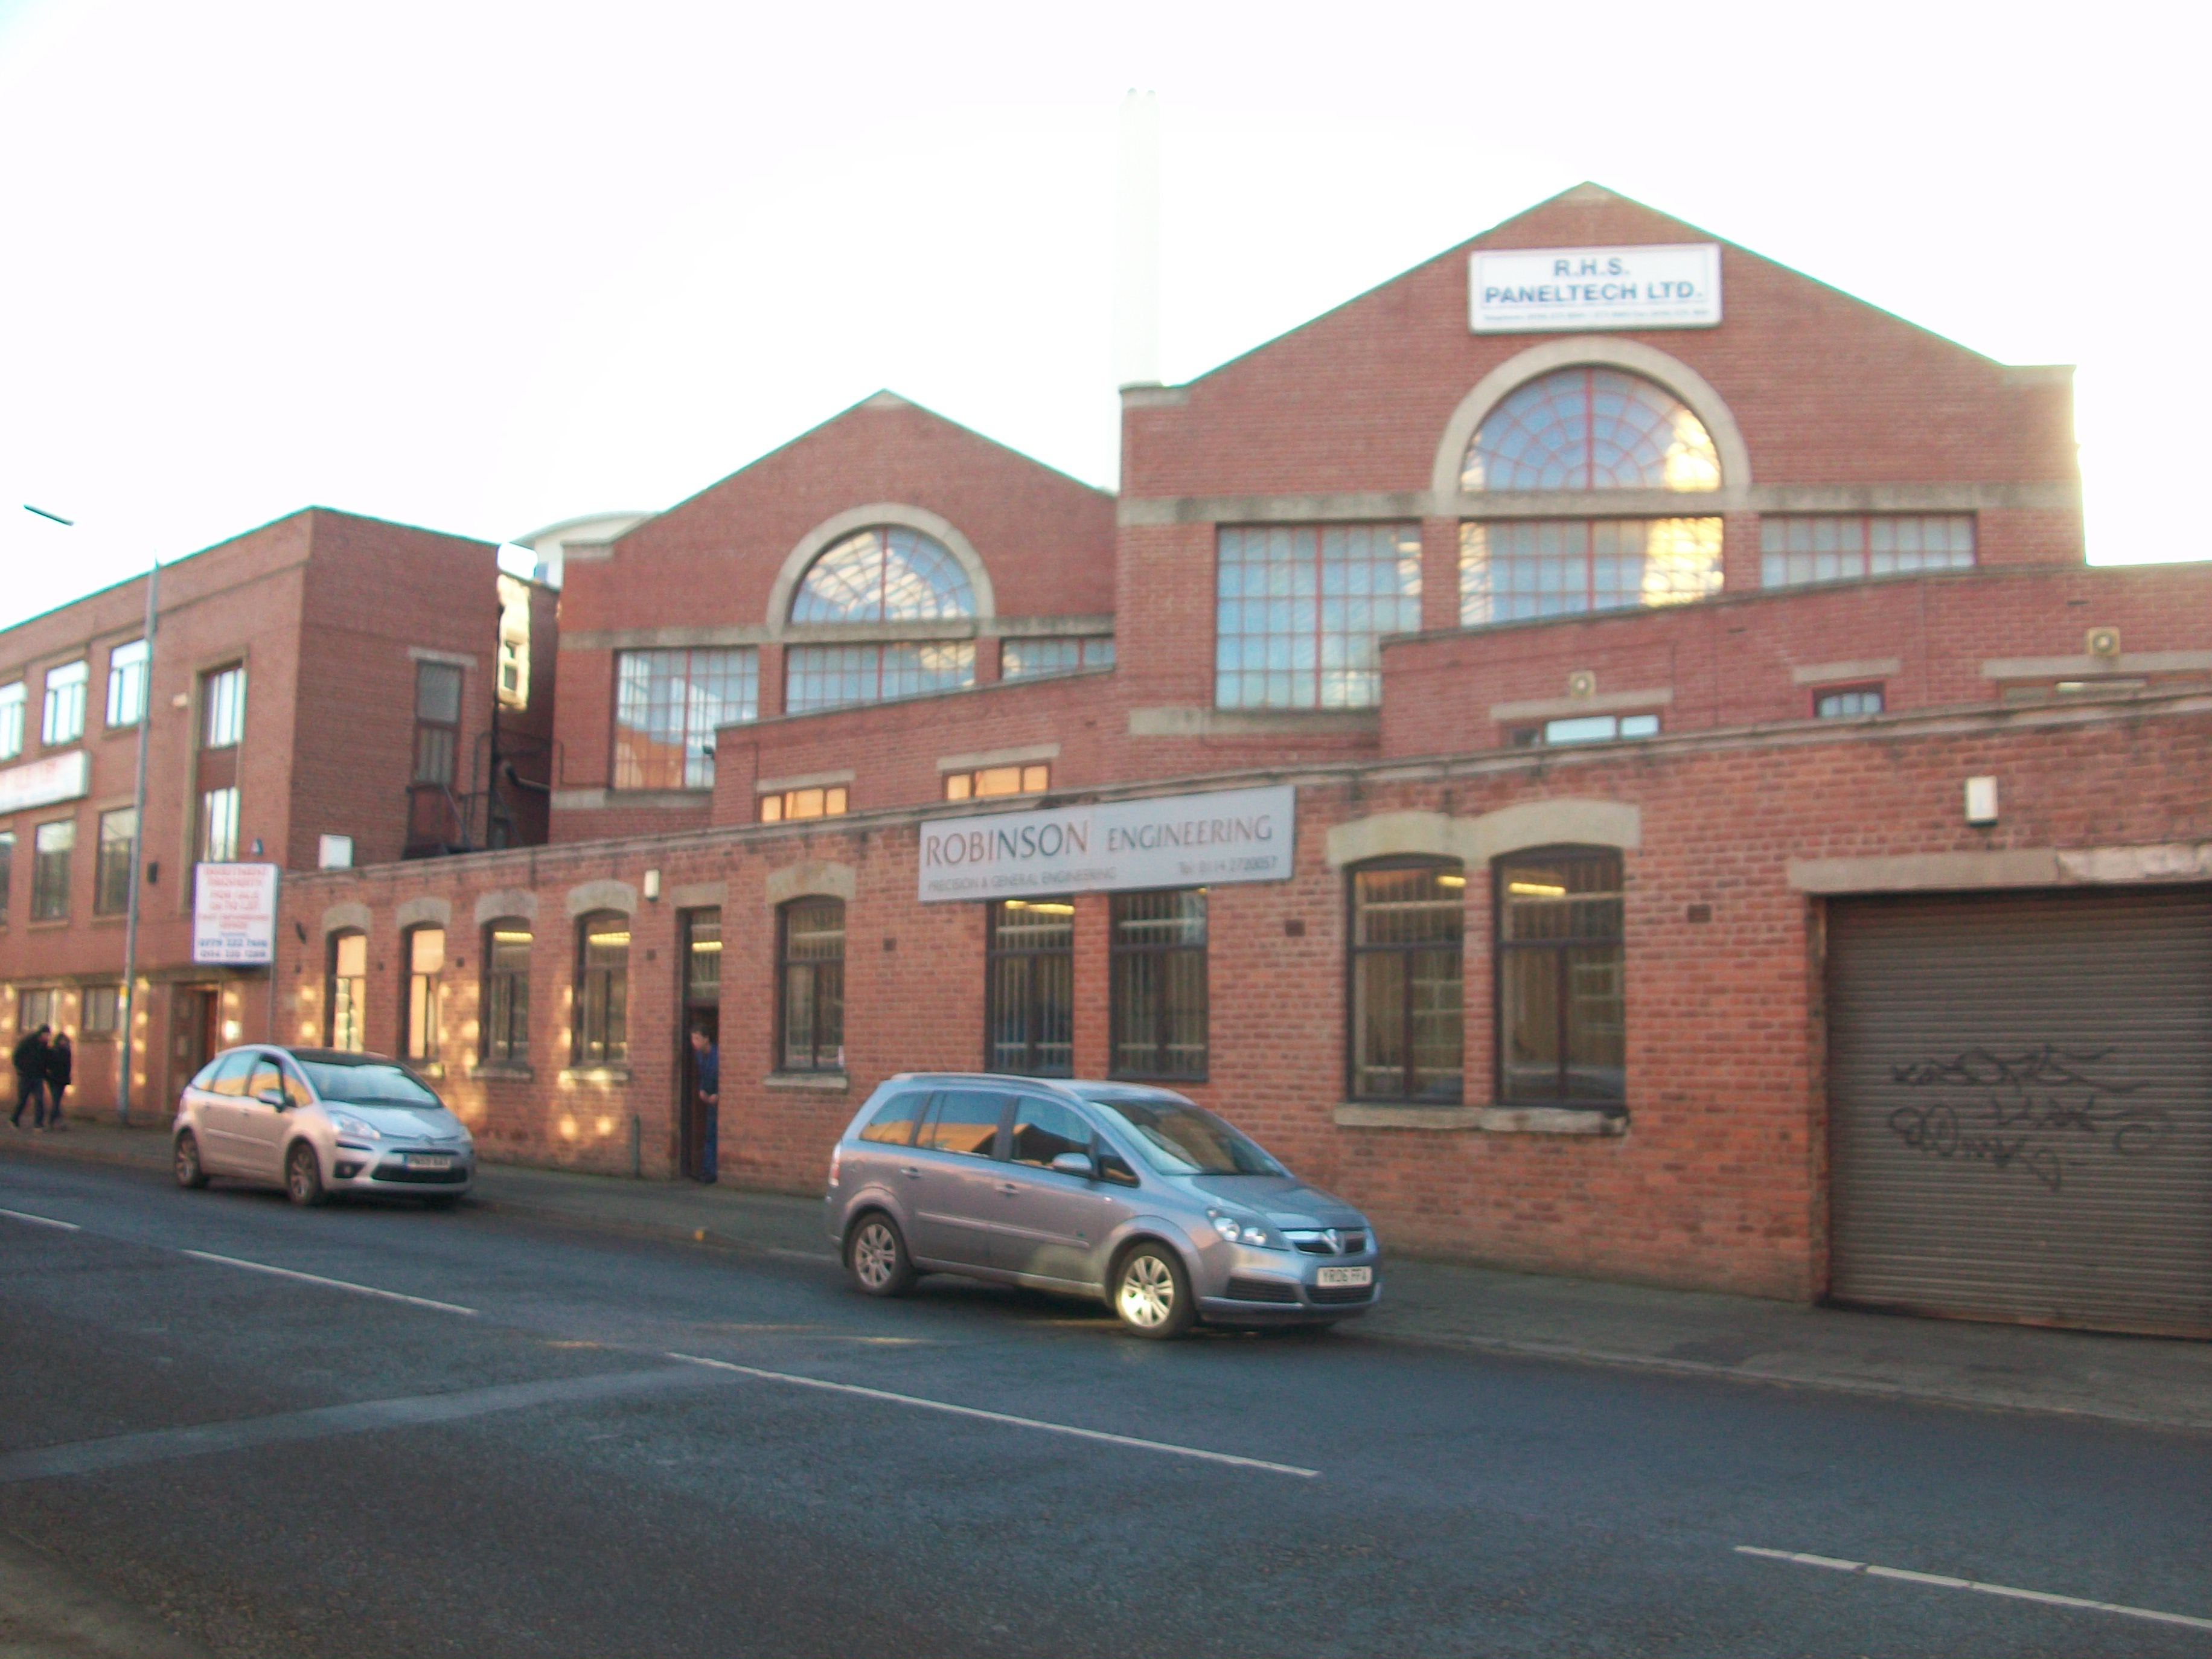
(482, 267)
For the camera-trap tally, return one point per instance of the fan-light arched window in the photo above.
(1590, 428)
(887, 573)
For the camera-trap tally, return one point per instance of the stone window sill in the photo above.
(618, 1075)
(495, 1070)
(1488, 1120)
(828, 1082)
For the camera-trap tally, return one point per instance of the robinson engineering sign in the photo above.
(1525, 290)
(1172, 841)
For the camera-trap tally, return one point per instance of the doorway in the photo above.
(192, 1013)
(703, 1011)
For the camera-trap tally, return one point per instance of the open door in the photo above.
(703, 1011)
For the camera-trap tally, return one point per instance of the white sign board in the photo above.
(1172, 841)
(1522, 290)
(43, 782)
(235, 913)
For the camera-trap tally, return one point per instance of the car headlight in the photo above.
(1245, 1232)
(347, 1125)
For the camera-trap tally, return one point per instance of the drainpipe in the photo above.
(130, 1011)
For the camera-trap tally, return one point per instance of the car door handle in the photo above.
(1009, 1188)
(910, 1172)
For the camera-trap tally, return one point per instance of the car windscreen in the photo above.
(1179, 1139)
(367, 1085)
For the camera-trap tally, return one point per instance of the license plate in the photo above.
(431, 1161)
(1345, 1276)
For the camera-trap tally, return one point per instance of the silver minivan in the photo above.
(1104, 1190)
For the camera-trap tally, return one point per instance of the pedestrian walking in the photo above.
(707, 1091)
(30, 1061)
(61, 1063)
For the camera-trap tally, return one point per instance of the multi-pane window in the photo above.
(1561, 1037)
(1159, 988)
(426, 963)
(888, 574)
(1590, 428)
(7, 871)
(1843, 703)
(1512, 568)
(1407, 1032)
(1024, 659)
(507, 993)
(437, 721)
(1029, 987)
(1301, 610)
(50, 847)
(832, 675)
(103, 1010)
(602, 1010)
(223, 707)
(667, 704)
(11, 721)
(36, 1006)
(986, 781)
(781, 805)
(219, 825)
(127, 668)
(62, 720)
(1587, 728)
(349, 990)
(1796, 550)
(811, 990)
(112, 860)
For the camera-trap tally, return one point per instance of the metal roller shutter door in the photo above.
(2020, 1102)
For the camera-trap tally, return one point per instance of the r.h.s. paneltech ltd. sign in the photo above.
(1173, 840)
(1525, 290)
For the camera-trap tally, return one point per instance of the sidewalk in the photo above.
(2136, 1380)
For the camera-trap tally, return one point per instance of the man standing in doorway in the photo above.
(30, 1058)
(707, 1094)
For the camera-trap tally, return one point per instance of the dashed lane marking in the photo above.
(885, 1394)
(42, 1220)
(1939, 1581)
(332, 1284)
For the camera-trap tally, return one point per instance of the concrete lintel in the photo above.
(1828, 673)
(659, 639)
(654, 801)
(1200, 722)
(803, 781)
(346, 917)
(1028, 755)
(519, 903)
(815, 878)
(1564, 822)
(697, 894)
(452, 658)
(1606, 703)
(2090, 668)
(1347, 505)
(587, 897)
(425, 910)
(1908, 872)
(1073, 627)
(2171, 861)
(820, 1082)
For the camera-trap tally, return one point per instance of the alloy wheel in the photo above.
(1148, 1291)
(875, 1255)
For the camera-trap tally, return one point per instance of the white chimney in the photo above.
(1136, 245)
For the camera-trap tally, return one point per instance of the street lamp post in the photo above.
(130, 1010)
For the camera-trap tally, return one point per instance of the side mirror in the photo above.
(1074, 1163)
(272, 1097)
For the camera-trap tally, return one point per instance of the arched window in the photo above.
(1561, 1036)
(811, 966)
(1407, 1031)
(506, 991)
(347, 992)
(1590, 428)
(601, 1011)
(887, 573)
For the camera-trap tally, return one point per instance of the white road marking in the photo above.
(333, 1283)
(2048, 1598)
(43, 1220)
(1004, 1416)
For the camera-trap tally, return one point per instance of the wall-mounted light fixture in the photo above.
(653, 885)
(1981, 800)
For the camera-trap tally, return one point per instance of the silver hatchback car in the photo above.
(319, 1121)
(1106, 1189)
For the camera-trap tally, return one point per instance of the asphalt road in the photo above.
(534, 1456)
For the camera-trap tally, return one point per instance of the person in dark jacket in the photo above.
(61, 1063)
(707, 1088)
(30, 1060)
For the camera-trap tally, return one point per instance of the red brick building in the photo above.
(1711, 826)
(321, 690)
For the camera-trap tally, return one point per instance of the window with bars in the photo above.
(1561, 1029)
(11, 719)
(886, 574)
(1590, 428)
(219, 825)
(1301, 610)
(507, 993)
(112, 859)
(667, 704)
(835, 676)
(426, 967)
(1159, 984)
(62, 720)
(1406, 1028)
(347, 1000)
(811, 988)
(223, 707)
(128, 667)
(782, 806)
(1799, 550)
(987, 782)
(51, 844)
(1029, 987)
(1024, 659)
(437, 721)
(1509, 569)
(602, 1007)
(1845, 701)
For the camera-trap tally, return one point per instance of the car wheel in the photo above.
(190, 1176)
(1152, 1292)
(876, 1256)
(303, 1176)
